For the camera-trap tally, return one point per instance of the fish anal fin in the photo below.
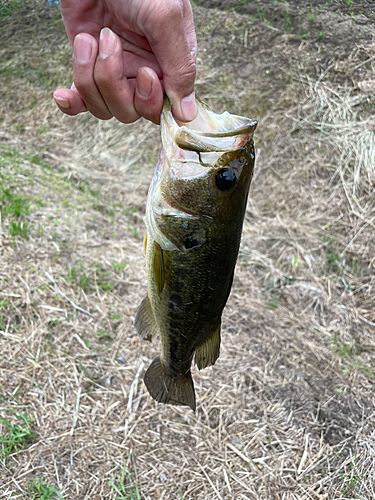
(166, 389)
(144, 322)
(207, 353)
(158, 264)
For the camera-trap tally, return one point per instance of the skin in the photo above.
(125, 54)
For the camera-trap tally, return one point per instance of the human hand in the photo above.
(125, 53)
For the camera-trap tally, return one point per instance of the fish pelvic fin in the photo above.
(144, 321)
(207, 353)
(166, 389)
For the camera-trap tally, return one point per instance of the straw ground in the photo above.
(287, 412)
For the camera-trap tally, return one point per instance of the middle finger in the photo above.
(84, 58)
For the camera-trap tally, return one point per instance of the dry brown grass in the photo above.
(287, 412)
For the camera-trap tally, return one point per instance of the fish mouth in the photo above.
(209, 132)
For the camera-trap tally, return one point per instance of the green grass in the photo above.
(86, 278)
(16, 436)
(19, 228)
(104, 335)
(342, 349)
(350, 483)
(125, 487)
(102, 277)
(333, 261)
(14, 206)
(40, 490)
(261, 14)
(311, 17)
(78, 276)
(106, 286)
(8, 8)
(119, 266)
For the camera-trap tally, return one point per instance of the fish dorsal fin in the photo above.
(207, 353)
(159, 271)
(166, 389)
(144, 321)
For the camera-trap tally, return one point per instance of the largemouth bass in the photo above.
(194, 216)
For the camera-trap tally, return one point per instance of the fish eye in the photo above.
(225, 179)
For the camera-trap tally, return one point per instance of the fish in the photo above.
(194, 216)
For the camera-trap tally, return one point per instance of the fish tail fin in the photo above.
(166, 389)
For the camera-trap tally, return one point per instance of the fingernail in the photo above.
(82, 49)
(62, 102)
(189, 107)
(107, 43)
(144, 83)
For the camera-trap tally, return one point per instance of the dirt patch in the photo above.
(338, 23)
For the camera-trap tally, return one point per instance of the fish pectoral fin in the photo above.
(207, 353)
(158, 265)
(166, 389)
(144, 321)
(145, 244)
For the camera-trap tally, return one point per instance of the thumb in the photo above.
(171, 35)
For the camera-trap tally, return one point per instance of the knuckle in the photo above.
(127, 117)
(83, 84)
(97, 107)
(184, 72)
(189, 70)
(102, 115)
(148, 113)
(70, 112)
(103, 79)
(183, 78)
(123, 109)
